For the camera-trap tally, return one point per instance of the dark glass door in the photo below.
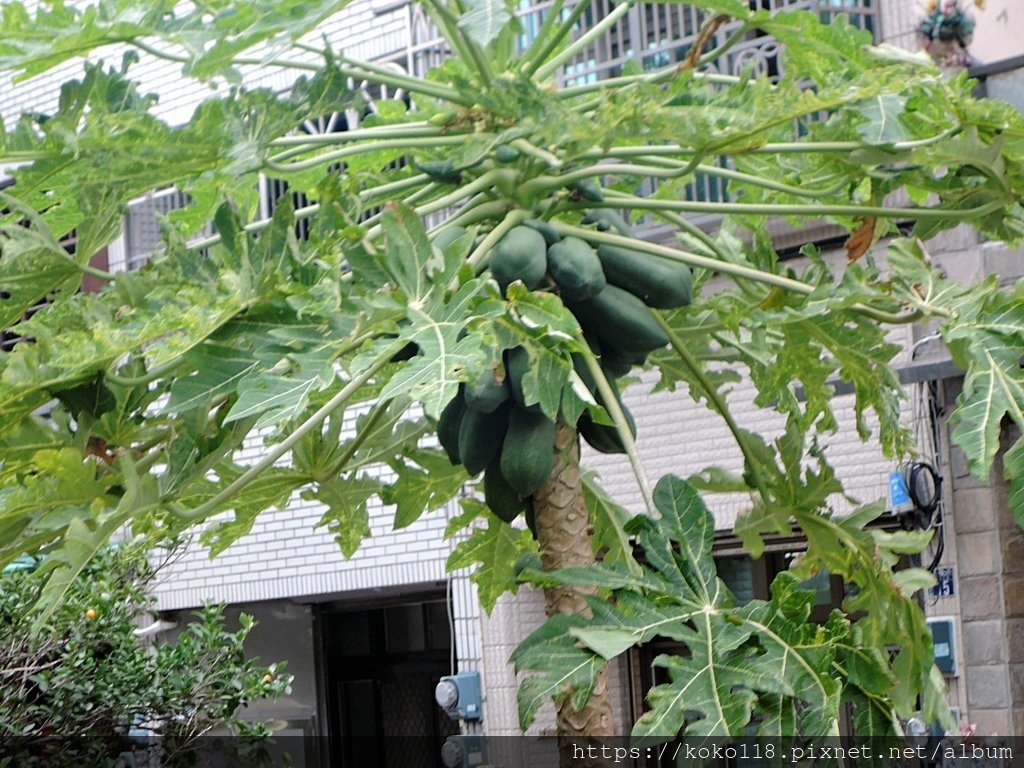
(381, 665)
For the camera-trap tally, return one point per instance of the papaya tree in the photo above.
(469, 267)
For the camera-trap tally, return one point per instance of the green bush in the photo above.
(81, 689)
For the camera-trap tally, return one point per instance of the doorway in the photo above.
(380, 666)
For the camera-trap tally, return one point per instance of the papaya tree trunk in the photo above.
(564, 533)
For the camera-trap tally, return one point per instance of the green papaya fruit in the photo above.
(658, 283)
(448, 426)
(527, 455)
(480, 437)
(505, 153)
(517, 363)
(499, 495)
(603, 437)
(576, 269)
(520, 255)
(619, 318)
(587, 189)
(546, 230)
(488, 390)
(448, 235)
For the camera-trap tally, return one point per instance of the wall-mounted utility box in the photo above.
(460, 696)
(465, 751)
(899, 494)
(943, 629)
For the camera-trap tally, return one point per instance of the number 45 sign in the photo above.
(946, 583)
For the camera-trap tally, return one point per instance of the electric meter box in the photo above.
(943, 629)
(463, 751)
(899, 494)
(460, 696)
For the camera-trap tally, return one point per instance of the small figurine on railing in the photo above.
(946, 32)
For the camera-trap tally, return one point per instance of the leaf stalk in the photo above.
(548, 68)
(453, 33)
(535, 58)
(512, 219)
(717, 401)
(692, 259)
(274, 163)
(611, 404)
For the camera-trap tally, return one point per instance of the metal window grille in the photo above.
(273, 190)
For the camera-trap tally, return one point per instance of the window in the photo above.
(142, 224)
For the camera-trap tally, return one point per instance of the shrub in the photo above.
(82, 689)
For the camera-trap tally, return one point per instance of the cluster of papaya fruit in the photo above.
(488, 427)
(610, 289)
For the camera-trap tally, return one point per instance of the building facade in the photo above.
(367, 637)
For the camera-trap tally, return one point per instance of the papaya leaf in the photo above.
(211, 37)
(547, 330)
(34, 263)
(761, 658)
(389, 439)
(609, 520)
(881, 126)
(22, 442)
(274, 397)
(572, 671)
(272, 488)
(347, 515)
(432, 377)
(426, 481)
(494, 550)
(86, 535)
(218, 368)
(408, 254)
(1013, 469)
(82, 541)
(39, 507)
(983, 332)
(990, 348)
(483, 20)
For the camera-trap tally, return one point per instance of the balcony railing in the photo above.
(655, 35)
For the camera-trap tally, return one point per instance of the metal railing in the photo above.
(657, 35)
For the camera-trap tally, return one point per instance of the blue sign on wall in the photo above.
(946, 583)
